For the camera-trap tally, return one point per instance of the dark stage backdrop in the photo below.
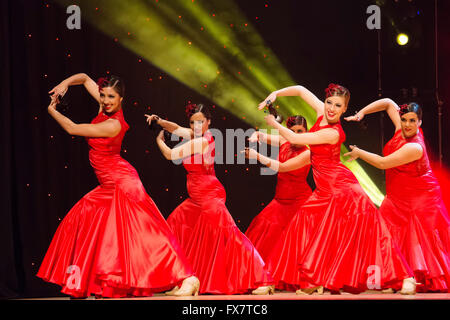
(45, 171)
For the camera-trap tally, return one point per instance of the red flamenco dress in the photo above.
(291, 192)
(114, 242)
(338, 238)
(222, 257)
(417, 217)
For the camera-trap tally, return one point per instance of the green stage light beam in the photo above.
(209, 46)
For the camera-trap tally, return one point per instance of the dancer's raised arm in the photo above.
(172, 127)
(385, 104)
(77, 79)
(106, 129)
(194, 146)
(300, 91)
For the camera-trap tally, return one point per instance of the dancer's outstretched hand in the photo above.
(250, 153)
(59, 90)
(151, 118)
(357, 117)
(352, 154)
(270, 120)
(254, 137)
(272, 97)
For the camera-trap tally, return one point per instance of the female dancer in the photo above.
(225, 261)
(292, 190)
(338, 235)
(413, 206)
(114, 242)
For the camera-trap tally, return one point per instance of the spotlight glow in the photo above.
(402, 39)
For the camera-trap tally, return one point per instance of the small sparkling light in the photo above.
(202, 28)
(167, 189)
(57, 39)
(140, 60)
(189, 42)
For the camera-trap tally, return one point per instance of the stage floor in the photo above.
(286, 296)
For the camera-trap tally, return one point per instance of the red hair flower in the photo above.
(102, 82)
(333, 89)
(290, 122)
(190, 108)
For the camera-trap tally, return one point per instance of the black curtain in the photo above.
(45, 171)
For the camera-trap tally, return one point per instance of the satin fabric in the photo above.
(114, 242)
(417, 217)
(222, 257)
(292, 191)
(337, 239)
